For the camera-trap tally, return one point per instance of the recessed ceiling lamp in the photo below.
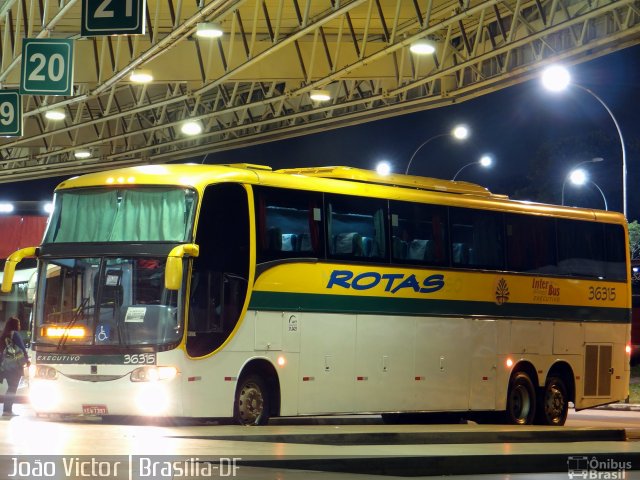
(208, 30)
(422, 47)
(55, 114)
(82, 154)
(320, 95)
(141, 76)
(191, 128)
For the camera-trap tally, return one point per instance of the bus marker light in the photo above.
(230, 379)
(194, 379)
(58, 332)
(307, 379)
(509, 363)
(419, 379)
(282, 361)
(628, 349)
(361, 379)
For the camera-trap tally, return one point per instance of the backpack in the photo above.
(12, 357)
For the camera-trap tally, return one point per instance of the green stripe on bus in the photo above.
(276, 301)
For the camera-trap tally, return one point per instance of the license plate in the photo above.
(94, 409)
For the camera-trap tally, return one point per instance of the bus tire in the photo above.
(553, 405)
(251, 406)
(521, 400)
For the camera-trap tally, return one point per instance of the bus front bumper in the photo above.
(117, 397)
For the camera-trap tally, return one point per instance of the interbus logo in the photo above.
(502, 292)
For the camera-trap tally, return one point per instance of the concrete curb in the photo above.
(628, 407)
(429, 465)
(483, 437)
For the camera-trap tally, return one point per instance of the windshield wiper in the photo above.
(74, 318)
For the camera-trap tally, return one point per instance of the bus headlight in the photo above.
(44, 372)
(153, 374)
(44, 396)
(152, 399)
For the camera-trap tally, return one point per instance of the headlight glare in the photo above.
(153, 374)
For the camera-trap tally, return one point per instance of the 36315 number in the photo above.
(140, 359)
(602, 294)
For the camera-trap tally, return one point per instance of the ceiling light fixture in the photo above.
(141, 76)
(320, 95)
(55, 114)
(208, 30)
(82, 154)
(191, 128)
(423, 47)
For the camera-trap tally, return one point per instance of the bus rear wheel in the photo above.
(521, 400)
(553, 406)
(252, 401)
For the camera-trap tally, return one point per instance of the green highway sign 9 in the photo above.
(112, 17)
(10, 113)
(47, 67)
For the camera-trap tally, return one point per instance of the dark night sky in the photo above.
(516, 126)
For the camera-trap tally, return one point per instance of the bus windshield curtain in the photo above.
(152, 215)
(88, 217)
(120, 216)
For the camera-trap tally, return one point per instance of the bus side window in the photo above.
(356, 228)
(580, 248)
(419, 233)
(288, 224)
(476, 238)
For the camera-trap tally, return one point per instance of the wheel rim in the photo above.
(520, 401)
(554, 404)
(250, 403)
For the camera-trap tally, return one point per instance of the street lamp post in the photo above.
(578, 176)
(460, 133)
(581, 175)
(556, 79)
(486, 161)
(606, 207)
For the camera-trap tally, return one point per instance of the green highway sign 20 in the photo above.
(47, 67)
(112, 17)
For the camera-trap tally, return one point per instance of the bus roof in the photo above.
(332, 179)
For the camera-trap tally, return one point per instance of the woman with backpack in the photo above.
(11, 339)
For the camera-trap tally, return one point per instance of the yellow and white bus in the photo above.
(237, 291)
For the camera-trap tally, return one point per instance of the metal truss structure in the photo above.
(253, 84)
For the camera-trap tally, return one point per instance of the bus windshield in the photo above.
(127, 214)
(106, 301)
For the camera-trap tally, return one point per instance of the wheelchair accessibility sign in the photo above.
(102, 333)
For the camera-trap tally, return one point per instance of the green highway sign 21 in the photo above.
(47, 67)
(10, 113)
(112, 17)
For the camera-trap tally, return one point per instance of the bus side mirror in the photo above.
(173, 270)
(10, 266)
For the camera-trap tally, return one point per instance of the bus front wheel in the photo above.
(554, 403)
(521, 400)
(252, 401)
